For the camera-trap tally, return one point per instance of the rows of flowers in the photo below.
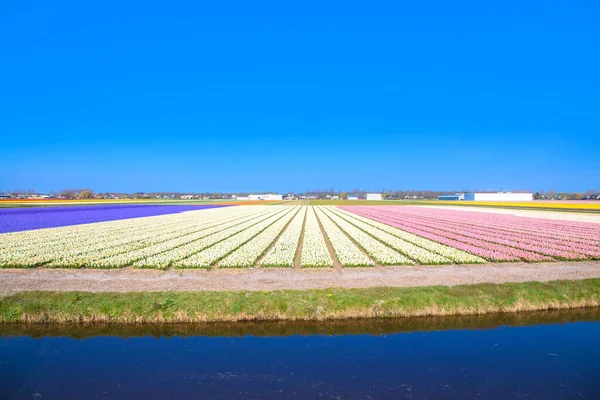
(375, 249)
(479, 247)
(82, 245)
(578, 231)
(104, 253)
(565, 248)
(413, 251)
(477, 234)
(348, 254)
(145, 256)
(250, 252)
(213, 254)
(558, 248)
(168, 258)
(314, 249)
(33, 248)
(283, 253)
(447, 252)
(100, 230)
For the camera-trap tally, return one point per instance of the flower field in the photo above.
(265, 236)
(494, 237)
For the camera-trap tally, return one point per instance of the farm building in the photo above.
(352, 197)
(374, 196)
(499, 196)
(453, 197)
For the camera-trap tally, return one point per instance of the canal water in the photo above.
(551, 355)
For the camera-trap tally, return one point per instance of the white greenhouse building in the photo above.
(374, 196)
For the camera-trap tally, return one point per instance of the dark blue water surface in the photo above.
(22, 219)
(552, 361)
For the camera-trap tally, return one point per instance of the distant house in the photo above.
(5, 196)
(352, 197)
(335, 197)
(187, 197)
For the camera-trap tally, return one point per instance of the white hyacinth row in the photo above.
(129, 257)
(213, 254)
(347, 252)
(314, 249)
(67, 249)
(103, 254)
(167, 258)
(283, 253)
(249, 253)
(374, 248)
(450, 253)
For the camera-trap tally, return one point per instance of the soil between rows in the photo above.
(141, 280)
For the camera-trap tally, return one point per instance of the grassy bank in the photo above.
(138, 307)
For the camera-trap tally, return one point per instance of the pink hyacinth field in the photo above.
(493, 236)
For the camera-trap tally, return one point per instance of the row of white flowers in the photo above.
(451, 253)
(165, 259)
(249, 253)
(213, 254)
(314, 249)
(81, 244)
(374, 248)
(347, 252)
(92, 254)
(167, 244)
(58, 248)
(283, 253)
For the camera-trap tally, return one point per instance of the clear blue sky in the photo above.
(242, 96)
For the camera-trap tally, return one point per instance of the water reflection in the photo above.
(289, 328)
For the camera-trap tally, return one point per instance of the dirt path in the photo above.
(128, 279)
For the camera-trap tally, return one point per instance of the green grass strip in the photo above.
(138, 307)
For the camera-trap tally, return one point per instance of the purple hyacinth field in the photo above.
(23, 219)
